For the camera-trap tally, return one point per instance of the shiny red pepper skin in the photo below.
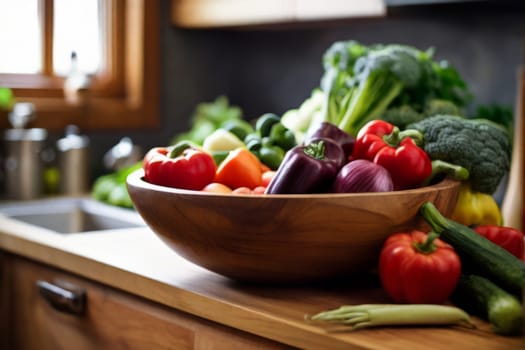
(413, 273)
(408, 164)
(508, 238)
(181, 167)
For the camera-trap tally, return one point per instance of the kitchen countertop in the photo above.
(136, 261)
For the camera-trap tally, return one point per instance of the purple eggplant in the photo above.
(327, 130)
(310, 168)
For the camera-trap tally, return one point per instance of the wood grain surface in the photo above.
(112, 319)
(137, 262)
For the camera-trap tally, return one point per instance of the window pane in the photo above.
(77, 29)
(20, 41)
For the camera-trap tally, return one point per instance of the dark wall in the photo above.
(272, 70)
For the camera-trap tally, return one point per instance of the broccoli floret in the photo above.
(406, 114)
(480, 146)
(404, 62)
(378, 77)
(438, 106)
(342, 55)
(361, 82)
(401, 116)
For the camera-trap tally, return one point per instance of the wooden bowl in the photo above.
(282, 238)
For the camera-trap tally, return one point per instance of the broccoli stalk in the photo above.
(370, 100)
(359, 85)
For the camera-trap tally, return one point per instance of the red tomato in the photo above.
(414, 272)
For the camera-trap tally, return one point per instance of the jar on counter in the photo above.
(23, 165)
(73, 162)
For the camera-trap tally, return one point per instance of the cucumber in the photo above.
(478, 253)
(479, 296)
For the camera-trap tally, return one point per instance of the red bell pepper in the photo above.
(182, 166)
(382, 143)
(508, 238)
(418, 268)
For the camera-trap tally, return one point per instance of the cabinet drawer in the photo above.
(111, 319)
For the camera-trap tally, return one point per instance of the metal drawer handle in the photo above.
(63, 296)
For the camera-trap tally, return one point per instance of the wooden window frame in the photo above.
(125, 95)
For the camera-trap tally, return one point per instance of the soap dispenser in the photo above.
(73, 162)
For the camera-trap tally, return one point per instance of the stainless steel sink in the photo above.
(72, 215)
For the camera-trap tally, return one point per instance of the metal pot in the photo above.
(23, 164)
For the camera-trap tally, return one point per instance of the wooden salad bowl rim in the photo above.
(136, 179)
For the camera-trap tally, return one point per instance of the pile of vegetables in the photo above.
(384, 118)
(218, 128)
(187, 166)
(492, 279)
(401, 85)
(480, 271)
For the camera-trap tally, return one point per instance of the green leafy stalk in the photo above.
(370, 99)
(374, 315)
(453, 171)
(362, 83)
(428, 246)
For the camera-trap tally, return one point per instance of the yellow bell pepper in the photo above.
(476, 208)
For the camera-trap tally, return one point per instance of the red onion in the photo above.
(362, 175)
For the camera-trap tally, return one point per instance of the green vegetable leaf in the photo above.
(6, 98)
(361, 82)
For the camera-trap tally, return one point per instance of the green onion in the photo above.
(373, 315)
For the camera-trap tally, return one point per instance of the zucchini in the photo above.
(484, 257)
(479, 296)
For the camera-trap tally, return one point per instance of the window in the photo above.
(109, 43)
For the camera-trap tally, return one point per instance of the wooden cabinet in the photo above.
(111, 319)
(235, 13)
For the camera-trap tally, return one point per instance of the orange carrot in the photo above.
(240, 168)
